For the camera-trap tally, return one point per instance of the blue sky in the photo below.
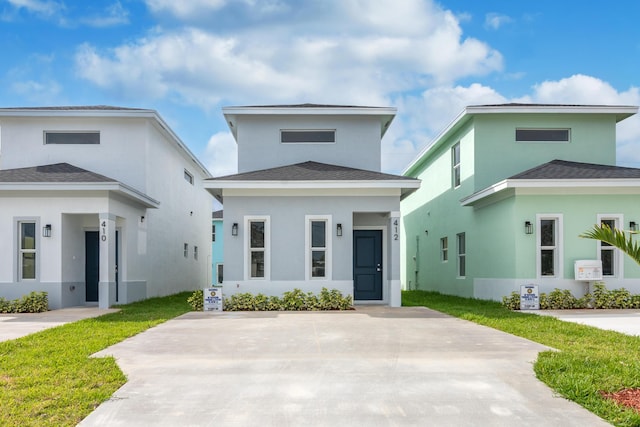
(187, 59)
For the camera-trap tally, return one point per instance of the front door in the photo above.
(367, 265)
(92, 265)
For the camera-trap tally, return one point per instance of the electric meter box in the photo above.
(588, 270)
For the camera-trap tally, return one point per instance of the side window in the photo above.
(188, 177)
(213, 232)
(455, 164)
(462, 254)
(444, 249)
(609, 255)
(318, 246)
(27, 250)
(549, 246)
(258, 248)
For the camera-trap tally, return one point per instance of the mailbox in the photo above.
(588, 270)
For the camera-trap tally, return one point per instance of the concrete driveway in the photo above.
(375, 366)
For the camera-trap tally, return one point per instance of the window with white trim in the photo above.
(27, 250)
(608, 254)
(318, 246)
(257, 245)
(186, 250)
(462, 254)
(444, 249)
(549, 246)
(188, 176)
(195, 253)
(455, 164)
(213, 232)
(308, 136)
(72, 137)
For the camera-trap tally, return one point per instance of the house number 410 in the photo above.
(103, 231)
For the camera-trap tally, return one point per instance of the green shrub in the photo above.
(559, 299)
(196, 300)
(35, 302)
(294, 300)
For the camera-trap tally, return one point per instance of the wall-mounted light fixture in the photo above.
(339, 230)
(46, 230)
(234, 229)
(141, 219)
(528, 227)
(633, 226)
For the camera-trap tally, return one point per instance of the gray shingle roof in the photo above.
(75, 108)
(312, 171)
(217, 214)
(59, 172)
(562, 169)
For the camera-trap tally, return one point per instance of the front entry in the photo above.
(92, 265)
(367, 265)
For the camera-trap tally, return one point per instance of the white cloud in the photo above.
(345, 51)
(42, 8)
(221, 154)
(185, 9)
(46, 92)
(493, 21)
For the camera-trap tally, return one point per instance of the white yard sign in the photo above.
(529, 297)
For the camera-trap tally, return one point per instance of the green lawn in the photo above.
(589, 360)
(49, 379)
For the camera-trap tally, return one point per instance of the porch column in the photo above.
(107, 283)
(393, 267)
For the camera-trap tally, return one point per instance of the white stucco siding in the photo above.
(120, 155)
(357, 142)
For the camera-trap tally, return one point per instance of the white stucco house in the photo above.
(309, 207)
(99, 205)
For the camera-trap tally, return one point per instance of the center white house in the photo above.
(309, 207)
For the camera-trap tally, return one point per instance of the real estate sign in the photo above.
(529, 297)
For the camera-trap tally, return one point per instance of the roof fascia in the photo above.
(116, 187)
(412, 183)
(620, 111)
(550, 184)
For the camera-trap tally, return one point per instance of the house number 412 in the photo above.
(395, 229)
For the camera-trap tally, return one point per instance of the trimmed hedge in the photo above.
(559, 299)
(35, 302)
(295, 300)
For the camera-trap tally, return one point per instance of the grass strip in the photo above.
(49, 379)
(589, 359)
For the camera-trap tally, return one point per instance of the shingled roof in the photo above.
(562, 169)
(312, 171)
(59, 172)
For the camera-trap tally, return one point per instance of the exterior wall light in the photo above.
(528, 227)
(46, 230)
(339, 230)
(234, 229)
(633, 226)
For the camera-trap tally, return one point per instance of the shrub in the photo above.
(35, 302)
(563, 299)
(196, 300)
(512, 302)
(294, 300)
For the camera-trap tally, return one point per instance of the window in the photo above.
(81, 138)
(186, 250)
(542, 135)
(195, 253)
(257, 249)
(462, 254)
(549, 246)
(318, 246)
(213, 233)
(608, 254)
(308, 136)
(444, 249)
(219, 273)
(27, 250)
(188, 177)
(455, 162)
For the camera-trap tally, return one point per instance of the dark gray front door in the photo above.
(91, 265)
(367, 265)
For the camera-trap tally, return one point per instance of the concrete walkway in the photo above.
(375, 366)
(625, 321)
(16, 325)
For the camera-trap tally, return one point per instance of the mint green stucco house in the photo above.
(507, 190)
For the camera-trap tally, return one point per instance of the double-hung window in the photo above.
(462, 254)
(27, 250)
(444, 249)
(549, 252)
(607, 253)
(257, 248)
(455, 164)
(213, 232)
(318, 246)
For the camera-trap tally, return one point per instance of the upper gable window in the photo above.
(308, 136)
(542, 135)
(188, 177)
(82, 138)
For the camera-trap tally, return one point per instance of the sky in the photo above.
(189, 58)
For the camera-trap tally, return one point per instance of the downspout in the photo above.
(416, 260)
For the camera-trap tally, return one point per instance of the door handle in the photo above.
(379, 267)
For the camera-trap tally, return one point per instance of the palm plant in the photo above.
(616, 238)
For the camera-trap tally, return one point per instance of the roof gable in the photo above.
(59, 172)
